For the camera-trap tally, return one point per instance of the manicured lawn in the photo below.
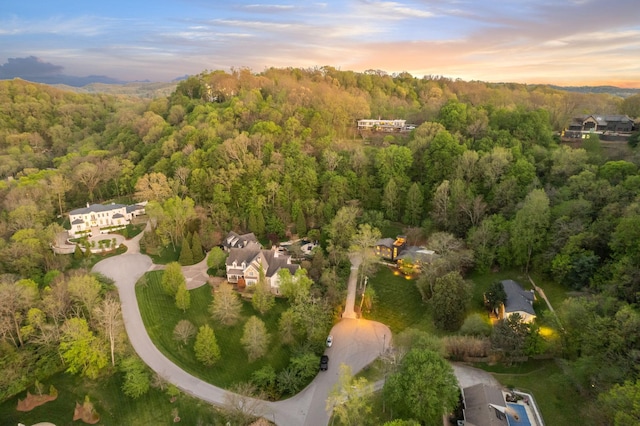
(166, 255)
(112, 405)
(398, 303)
(555, 292)
(557, 400)
(160, 317)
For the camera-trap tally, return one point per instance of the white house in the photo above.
(100, 218)
(382, 125)
(244, 264)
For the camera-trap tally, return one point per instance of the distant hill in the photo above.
(611, 90)
(140, 89)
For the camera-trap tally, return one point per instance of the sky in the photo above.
(564, 42)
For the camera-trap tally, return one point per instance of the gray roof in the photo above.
(272, 263)
(602, 119)
(242, 255)
(282, 261)
(517, 298)
(233, 240)
(77, 222)
(134, 207)
(386, 242)
(118, 216)
(476, 405)
(97, 208)
(418, 253)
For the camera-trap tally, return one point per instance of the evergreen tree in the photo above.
(186, 257)
(77, 253)
(196, 248)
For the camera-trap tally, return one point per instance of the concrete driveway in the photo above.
(356, 343)
(469, 376)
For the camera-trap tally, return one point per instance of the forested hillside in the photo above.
(278, 153)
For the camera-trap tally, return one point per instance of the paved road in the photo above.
(356, 343)
(349, 311)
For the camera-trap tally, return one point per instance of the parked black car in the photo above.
(324, 363)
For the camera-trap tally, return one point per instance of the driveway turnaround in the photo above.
(357, 342)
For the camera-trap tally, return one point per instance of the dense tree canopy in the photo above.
(277, 153)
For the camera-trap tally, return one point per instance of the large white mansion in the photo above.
(100, 218)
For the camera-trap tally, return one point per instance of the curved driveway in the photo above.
(357, 342)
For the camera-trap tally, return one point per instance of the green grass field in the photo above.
(109, 401)
(160, 316)
(166, 255)
(398, 303)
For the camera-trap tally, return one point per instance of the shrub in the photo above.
(475, 325)
(460, 347)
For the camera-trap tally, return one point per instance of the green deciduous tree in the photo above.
(349, 399)
(343, 226)
(424, 387)
(137, 379)
(153, 187)
(441, 158)
(529, 228)
(183, 298)
(451, 294)
(15, 301)
(413, 205)
(84, 290)
(362, 243)
(82, 352)
(226, 306)
(495, 297)
(206, 346)
(216, 258)
(621, 403)
(172, 217)
(263, 299)
(172, 279)
(255, 338)
(391, 200)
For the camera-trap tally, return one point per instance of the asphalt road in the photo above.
(357, 342)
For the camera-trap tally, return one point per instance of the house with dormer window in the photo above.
(244, 266)
(235, 240)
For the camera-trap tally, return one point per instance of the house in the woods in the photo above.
(245, 264)
(234, 240)
(518, 301)
(390, 249)
(98, 219)
(408, 259)
(383, 125)
(607, 127)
